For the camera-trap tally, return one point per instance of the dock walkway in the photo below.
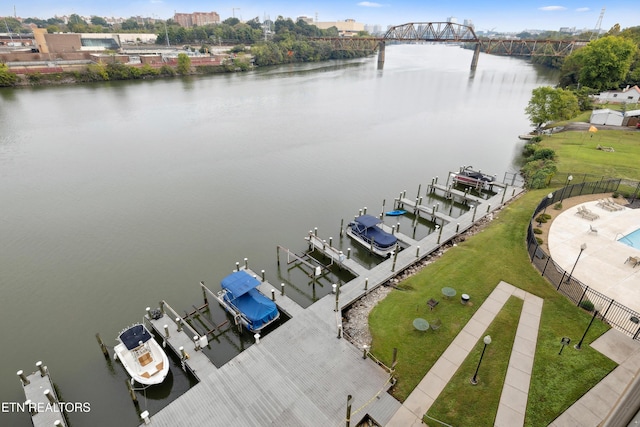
(41, 398)
(302, 372)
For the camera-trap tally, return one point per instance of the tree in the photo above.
(7, 78)
(548, 104)
(97, 20)
(606, 62)
(184, 64)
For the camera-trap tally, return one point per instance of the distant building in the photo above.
(196, 19)
(630, 95)
(346, 28)
(306, 19)
(468, 23)
(452, 19)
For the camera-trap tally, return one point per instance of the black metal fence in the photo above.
(612, 312)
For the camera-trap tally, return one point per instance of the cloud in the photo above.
(552, 8)
(583, 9)
(369, 4)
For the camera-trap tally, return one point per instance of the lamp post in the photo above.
(582, 248)
(487, 341)
(596, 309)
(566, 184)
(549, 197)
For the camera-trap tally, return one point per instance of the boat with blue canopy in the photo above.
(365, 230)
(241, 298)
(141, 355)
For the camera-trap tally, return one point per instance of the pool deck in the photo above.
(602, 265)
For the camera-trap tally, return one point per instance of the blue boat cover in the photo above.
(239, 283)
(367, 220)
(365, 227)
(258, 309)
(132, 337)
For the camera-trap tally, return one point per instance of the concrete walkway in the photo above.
(513, 401)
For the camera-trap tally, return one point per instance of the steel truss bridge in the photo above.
(449, 32)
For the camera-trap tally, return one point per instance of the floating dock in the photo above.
(303, 372)
(41, 399)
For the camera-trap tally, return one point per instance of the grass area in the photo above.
(461, 403)
(577, 152)
(475, 267)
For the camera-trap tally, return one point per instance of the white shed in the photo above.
(606, 117)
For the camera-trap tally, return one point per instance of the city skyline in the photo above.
(485, 16)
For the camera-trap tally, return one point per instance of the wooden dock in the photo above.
(41, 398)
(303, 372)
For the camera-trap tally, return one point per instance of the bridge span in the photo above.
(450, 32)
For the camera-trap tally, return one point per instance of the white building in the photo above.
(629, 95)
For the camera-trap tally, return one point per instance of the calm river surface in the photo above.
(116, 196)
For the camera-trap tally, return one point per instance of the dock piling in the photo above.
(33, 409)
(41, 368)
(179, 323)
(237, 266)
(281, 288)
(364, 210)
(348, 253)
(257, 338)
(166, 331)
(349, 400)
(262, 272)
(23, 377)
(417, 251)
(132, 392)
(273, 294)
(366, 284)
(246, 263)
(102, 346)
(50, 396)
(342, 227)
(144, 416)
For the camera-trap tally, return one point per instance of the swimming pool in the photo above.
(631, 239)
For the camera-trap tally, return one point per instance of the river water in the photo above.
(118, 195)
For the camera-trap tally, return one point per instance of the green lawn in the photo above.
(464, 404)
(577, 153)
(475, 267)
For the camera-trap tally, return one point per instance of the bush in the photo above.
(541, 219)
(587, 305)
(545, 216)
(557, 206)
(539, 240)
(615, 195)
(537, 230)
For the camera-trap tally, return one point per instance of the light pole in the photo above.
(549, 197)
(566, 184)
(596, 309)
(487, 341)
(582, 248)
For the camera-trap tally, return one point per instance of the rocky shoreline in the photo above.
(355, 320)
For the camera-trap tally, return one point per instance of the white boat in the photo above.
(141, 355)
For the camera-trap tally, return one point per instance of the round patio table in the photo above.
(420, 324)
(448, 292)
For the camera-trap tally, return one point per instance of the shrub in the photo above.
(587, 305)
(545, 216)
(539, 240)
(615, 195)
(557, 206)
(537, 230)
(541, 219)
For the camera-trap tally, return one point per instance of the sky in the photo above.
(499, 16)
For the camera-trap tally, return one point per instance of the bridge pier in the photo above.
(381, 47)
(476, 55)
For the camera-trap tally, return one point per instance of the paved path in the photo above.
(513, 401)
